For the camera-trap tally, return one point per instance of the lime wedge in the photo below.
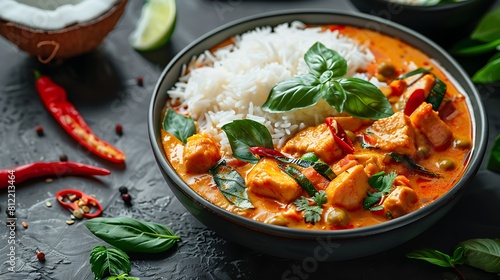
(155, 26)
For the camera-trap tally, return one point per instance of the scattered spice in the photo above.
(39, 130)
(123, 190)
(49, 180)
(70, 222)
(48, 204)
(24, 224)
(40, 256)
(140, 81)
(63, 157)
(127, 198)
(119, 129)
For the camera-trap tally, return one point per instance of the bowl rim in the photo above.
(428, 8)
(479, 131)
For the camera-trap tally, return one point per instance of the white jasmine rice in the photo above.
(233, 82)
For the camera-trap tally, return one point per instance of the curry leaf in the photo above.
(365, 100)
(178, 125)
(321, 59)
(294, 93)
(412, 165)
(108, 261)
(483, 254)
(231, 184)
(488, 28)
(243, 134)
(131, 235)
(436, 95)
(489, 73)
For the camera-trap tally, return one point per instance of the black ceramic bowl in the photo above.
(294, 243)
(434, 21)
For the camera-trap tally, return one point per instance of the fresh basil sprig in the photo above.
(357, 97)
(108, 261)
(382, 183)
(480, 253)
(243, 134)
(178, 125)
(131, 235)
(231, 184)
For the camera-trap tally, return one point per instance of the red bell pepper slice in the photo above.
(415, 99)
(265, 152)
(340, 136)
(55, 100)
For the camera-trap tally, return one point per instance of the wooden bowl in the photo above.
(68, 42)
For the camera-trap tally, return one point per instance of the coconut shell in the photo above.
(68, 42)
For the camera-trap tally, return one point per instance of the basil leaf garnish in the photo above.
(178, 125)
(357, 97)
(243, 134)
(294, 93)
(108, 261)
(131, 235)
(436, 95)
(231, 184)
(490, 72)
(321, 59)
(365, 100)
(488, 28)
(483, 254)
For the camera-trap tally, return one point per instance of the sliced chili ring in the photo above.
(340, 136)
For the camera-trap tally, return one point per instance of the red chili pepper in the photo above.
(55, 100)
(340, 136)
(265, 152)
(63, 197)
(17, 174)
(415, 99)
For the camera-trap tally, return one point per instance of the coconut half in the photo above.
(58, 29)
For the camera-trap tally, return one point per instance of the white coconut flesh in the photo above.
(53, 14)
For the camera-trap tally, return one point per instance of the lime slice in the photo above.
(155, 26)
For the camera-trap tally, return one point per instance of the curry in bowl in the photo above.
(325, 127)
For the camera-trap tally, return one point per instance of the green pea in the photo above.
(311, 156)
(337, 216)
(462, 143)
(423, 151)
(387, 70)
(446, 164)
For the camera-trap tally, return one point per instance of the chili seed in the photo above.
(39, 130)
(40, 256)
(72, 197)
(70, 222)
(123, 190)
(140, 81)
(48, 204)
(85, 209)
(49, 180)
(24, 224)
(81, 203)
(63, 157)
(78, 214)
(119, 129)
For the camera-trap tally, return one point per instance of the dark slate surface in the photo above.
(102, 85)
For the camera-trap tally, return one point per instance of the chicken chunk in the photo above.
(428, 122)
(426, 83)
(394, 134)
(316, 139)
(349, 188)
(200, 153)
(371, 160)
(351, 123)
(400, 201)
(267, 179)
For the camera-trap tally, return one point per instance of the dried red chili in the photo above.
(415, 99)
(340, 136)
(55, 100)
(21, 173)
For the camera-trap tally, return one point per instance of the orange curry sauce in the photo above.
(448, 160)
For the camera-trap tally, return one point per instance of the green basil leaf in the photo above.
(108, 261)
(483, 254)
(294, 93)
(372, 199)
(321, 59)
(488, 28)
(231, 184)
(131, 235)
(436, 95)
(382, 182)
(494, 158)
(365, 100)
(458, 254)
(334, 94)
(412, 165)
(473, 47)
(123, 276)
(489, 73)
(433, 256)
(243, 134)
(178, 125)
